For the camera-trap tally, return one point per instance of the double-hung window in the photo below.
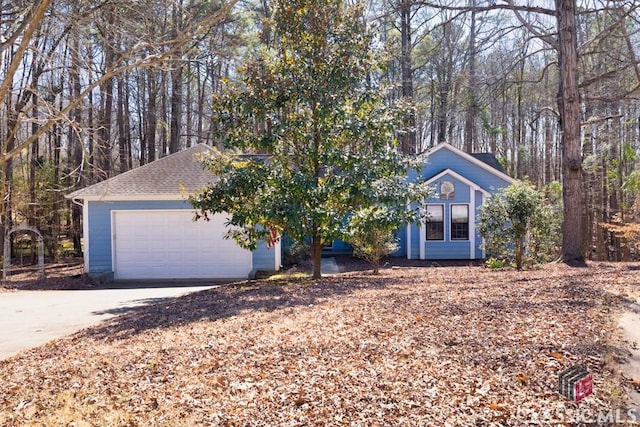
(459, 222)
(435, 222)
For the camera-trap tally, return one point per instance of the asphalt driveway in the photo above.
(33, 318)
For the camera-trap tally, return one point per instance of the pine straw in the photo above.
(457, 346)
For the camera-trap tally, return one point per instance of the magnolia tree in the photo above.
(311, 102)
(519, 220)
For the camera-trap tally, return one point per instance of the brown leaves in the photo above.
(455, 346)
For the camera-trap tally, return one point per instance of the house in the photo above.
(461, 182)
(140, 225)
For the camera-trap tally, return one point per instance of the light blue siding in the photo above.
(461, 190)
(439, 161)
(100, 252)
(99, 241)
(415, 231)
(445, 159)
(479, 202)
(401, 236)
(447, 250)
(264, 257)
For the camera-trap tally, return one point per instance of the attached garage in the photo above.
(168, 244)
(139, 226)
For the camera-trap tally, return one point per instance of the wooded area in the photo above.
(93, 88)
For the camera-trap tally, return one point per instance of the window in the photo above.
(435, 222)
(459, 222)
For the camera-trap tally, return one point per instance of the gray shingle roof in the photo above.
(489, 159)
(163, 177)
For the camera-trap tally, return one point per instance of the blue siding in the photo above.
(100, 257)
(479, 202)
(100, 251)
(461, 190)
(437, 162)
(264, 257)
(415, 238)
(447, 250)
(401, 236)
(445, 159)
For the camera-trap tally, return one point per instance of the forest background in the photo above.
(93, 88)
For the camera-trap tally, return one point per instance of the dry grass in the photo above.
(414, 346)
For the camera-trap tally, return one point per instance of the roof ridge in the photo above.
(188, 155)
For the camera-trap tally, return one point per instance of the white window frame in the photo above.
(468, 205)
(444, 223)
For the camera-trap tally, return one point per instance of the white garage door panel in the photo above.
(170, 245)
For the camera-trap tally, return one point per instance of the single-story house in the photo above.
(461, 183)
(140, 225)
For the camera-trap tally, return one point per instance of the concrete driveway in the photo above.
(32, 318)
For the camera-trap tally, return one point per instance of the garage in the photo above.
(168, 244)
(139, 226)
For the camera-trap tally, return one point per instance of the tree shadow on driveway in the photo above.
(225, 302)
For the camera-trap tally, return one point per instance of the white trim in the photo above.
(444, 216)
(408, 231)
(422, 232)
(133, 197)
(278, 257)
(458, 177)
(471, 159)
(482, 242)
(113, 241)
(85, 234)
(472, 222)
(451, 205)
(423, 238)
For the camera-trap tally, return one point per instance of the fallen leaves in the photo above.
(456, 346)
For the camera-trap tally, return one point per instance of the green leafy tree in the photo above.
(372, 229)
(518, 221)
(371, 232)
(311, 102)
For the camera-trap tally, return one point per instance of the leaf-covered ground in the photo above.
(458, 346)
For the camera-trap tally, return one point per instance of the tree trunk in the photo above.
(408, 142)
(472, 107)
(569, 107)
(316, 256)
(152, 116)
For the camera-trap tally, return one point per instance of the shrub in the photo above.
(371, 232)
(519, 221)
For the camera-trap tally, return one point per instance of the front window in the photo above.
(459, 222)
(435, 222)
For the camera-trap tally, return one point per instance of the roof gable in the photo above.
(476, 159)
(166, 177)
(449, 172)
(445, 157)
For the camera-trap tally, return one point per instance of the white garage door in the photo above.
(170, 245)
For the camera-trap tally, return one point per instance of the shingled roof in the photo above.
(166, 176)
(489, 159)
